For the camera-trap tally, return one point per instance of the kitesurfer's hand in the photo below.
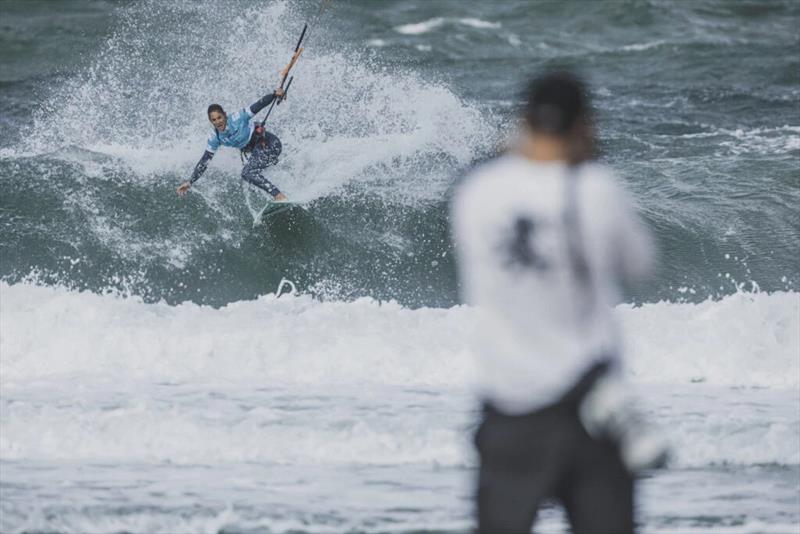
(183, 188)
(279, 92)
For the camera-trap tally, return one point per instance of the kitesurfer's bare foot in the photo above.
(280, 197)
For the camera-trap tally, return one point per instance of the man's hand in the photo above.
(183, 188)
(279, 92)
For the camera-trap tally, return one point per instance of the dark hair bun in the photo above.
(555, 103)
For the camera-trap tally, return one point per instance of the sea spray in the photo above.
(367, 149)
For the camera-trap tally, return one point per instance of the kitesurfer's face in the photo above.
(219, 120)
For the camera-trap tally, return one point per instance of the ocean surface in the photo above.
(151, 379)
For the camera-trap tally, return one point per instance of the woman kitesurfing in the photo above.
(261, 148)
(239, 130)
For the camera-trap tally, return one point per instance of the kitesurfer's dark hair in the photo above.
(215, 107)
(557, 103)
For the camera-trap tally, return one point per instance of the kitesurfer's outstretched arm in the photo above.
(199, 169)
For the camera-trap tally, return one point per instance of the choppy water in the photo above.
(177, 395)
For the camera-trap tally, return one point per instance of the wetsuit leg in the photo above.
(260, 158)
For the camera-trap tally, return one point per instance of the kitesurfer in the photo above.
(239, 130)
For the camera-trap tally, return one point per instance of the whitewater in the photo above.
(289, 398)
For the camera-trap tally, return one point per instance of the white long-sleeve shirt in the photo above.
(541, 326)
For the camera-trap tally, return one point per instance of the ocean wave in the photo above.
(372, 148)
(767, 140)
(292, 340)
(107, 378)
(781, 140)
(206, 426)
(725, 427)
(419, 28)
(114, 421)
(745, 339)
(639, 47)
(371, 130)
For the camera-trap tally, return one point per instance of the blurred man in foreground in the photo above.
(544, 237)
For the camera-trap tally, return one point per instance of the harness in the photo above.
(258, 138)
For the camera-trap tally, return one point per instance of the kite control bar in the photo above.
(296, 49)
(283, 80)
(303, 35)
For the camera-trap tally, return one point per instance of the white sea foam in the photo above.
(780, 140)
(638, 47)
(478, 23)
(278, 341)
(102, 377)
(340, 103)
(347, 122)
(108, 421)
(420, 27)
(774, 140)
(745, 339)
(429, 25)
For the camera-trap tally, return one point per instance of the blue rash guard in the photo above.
(237, 131)
(237, 134)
